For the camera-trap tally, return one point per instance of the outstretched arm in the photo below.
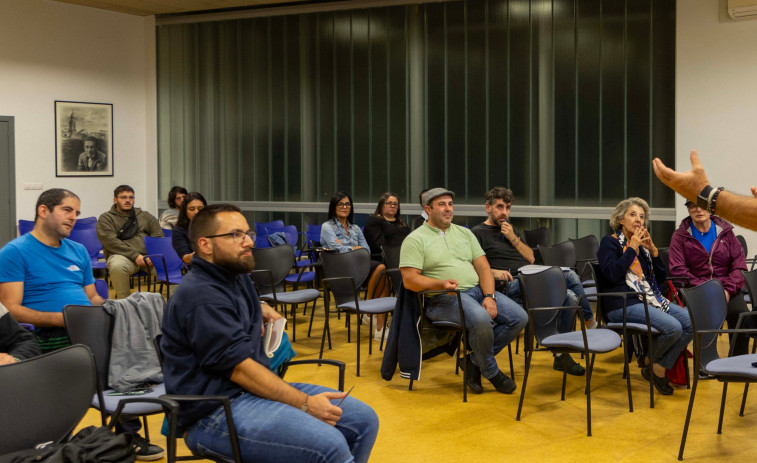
(741, 210)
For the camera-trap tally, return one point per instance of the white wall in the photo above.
(716, 97)
(55, 51)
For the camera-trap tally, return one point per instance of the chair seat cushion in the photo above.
(600, 340)
(379, 305)
(631, 326)
(740, 365)
(294, 297)
(111, 401)
(591, 292)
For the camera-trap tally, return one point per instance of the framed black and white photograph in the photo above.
(83, 139)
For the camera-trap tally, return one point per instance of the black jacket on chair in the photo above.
(412, 340)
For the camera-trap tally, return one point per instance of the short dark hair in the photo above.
(338, 196)
(499, 192)
(51, 198)
(205, 223)
(90, 138)
(183, 221)
(120, 189)
(172, 195)
(382, 201)
(420, 196)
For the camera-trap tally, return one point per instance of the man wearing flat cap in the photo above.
(442, 256)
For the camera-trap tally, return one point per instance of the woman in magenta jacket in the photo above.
(705, 247)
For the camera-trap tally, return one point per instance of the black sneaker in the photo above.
(503, 383)
(661, 384)
(474, 375)
(144, 450)
(566, 363)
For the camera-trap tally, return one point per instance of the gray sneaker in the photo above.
(144, 450)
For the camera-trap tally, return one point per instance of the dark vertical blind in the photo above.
(566, 102)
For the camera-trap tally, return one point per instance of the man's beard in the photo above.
(236, 265)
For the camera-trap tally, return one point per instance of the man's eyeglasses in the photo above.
(344, 205)
(391, 204)
(237, 236)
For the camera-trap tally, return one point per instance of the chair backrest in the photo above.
(290, 235)
(45, 397)
(164, 247)
(87, 236)
(707, 309)
(354, 264)
(562, 254)
(544, 289)
(313, 233)
(25, 226)
(167, 232)
(93, 327)
(278, 260)
(586, 250)
(751, 284)
(86, 222)
(101, 286)
(537, 236)
(391, 256)
(263, 229)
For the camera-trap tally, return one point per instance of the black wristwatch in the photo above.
(492, 295)
(703, 199)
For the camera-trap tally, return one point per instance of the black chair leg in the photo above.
(722, 408)
(588, 398)
(743, 399)
(527, 353)
(688, 417)
(510, 356)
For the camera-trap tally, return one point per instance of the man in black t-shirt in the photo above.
(506, 253)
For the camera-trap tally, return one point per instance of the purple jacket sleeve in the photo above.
(735, 280)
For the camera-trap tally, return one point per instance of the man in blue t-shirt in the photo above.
(42, 271)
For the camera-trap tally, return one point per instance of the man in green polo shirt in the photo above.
(440, 255)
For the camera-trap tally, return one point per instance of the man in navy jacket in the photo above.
(213, 345)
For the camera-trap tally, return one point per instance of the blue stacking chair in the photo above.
(169, 267)
(87, 236)
(263, 229)
(25, 226)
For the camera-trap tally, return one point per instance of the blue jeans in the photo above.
(674, 327)
(573, 282)
(486, 337)
(271, 431)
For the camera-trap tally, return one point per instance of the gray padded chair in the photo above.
(272, 265)
(344, 275)
(93, 327)
(707, 309)
(45, 397)
(625, 329)
(543, 295)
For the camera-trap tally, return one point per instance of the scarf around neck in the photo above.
(637, 281)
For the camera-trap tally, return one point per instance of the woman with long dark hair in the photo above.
(193, 203)
(385, 227)
(341, 234)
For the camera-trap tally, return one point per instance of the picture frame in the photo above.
(83, 139)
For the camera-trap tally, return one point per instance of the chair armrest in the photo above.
(335, 363)
(270, 283)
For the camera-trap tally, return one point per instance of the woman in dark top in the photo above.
(629, 261)
(385, 227)
(193, 203)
